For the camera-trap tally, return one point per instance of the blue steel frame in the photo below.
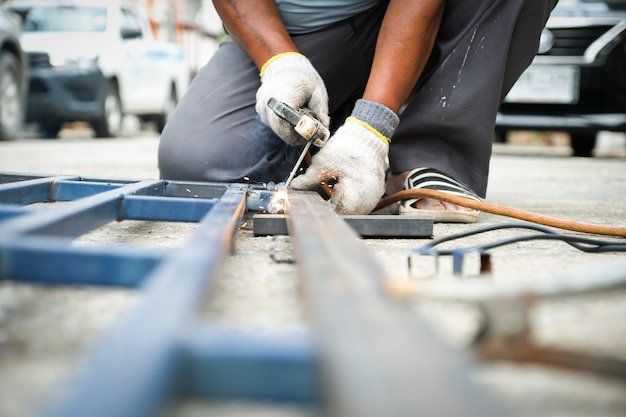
(373, 358)
(149, 358)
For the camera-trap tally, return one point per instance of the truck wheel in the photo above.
(110, 124)
(168, 108)
(582, 144)
(12, 104)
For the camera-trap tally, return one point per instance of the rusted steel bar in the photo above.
(506, 332)
(377, 358)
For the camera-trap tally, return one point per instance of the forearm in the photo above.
(405, 41)
(256, 26)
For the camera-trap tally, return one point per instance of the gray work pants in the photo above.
(482, 48)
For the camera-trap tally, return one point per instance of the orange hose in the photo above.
(504, 211)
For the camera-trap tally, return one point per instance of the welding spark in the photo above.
(277, 202)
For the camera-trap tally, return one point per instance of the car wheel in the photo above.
(499, 136)
(582, 144)
(110, 124)
(169, 107)
(50, 129)
(12, 103)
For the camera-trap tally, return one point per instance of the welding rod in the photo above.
(298, 163)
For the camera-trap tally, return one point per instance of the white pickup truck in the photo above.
(96, 61)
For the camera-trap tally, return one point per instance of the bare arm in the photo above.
(256, 26)
(404, 44)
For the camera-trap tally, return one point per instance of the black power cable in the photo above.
(581, 243)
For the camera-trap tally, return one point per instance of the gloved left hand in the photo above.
(356, 156)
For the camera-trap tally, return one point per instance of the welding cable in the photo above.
(581, 243)
(504, 211)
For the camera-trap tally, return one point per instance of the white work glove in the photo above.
(291, 78)
(356, 156)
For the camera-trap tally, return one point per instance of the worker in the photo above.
(409, 89)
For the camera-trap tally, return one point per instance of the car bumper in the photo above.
(65, 94)
(571, 123)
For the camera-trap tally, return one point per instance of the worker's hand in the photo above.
(356, 156)
(292, 79)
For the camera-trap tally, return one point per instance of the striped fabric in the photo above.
(433, 179)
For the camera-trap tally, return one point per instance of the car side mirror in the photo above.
(131, 33)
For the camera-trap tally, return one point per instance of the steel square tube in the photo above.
(195, 189)
(29, 191)
(54, 261)
(377, 357)
(8, 212)
(171, 209)
(79, 216)
(133, 370)
(73, 190)
(221, 363)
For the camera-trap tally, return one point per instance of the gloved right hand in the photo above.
(291, 78)
(356, 156)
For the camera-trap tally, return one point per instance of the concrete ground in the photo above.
(46, 332)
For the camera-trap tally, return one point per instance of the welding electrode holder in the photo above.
(303, 121)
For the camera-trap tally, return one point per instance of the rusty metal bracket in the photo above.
(505, 332)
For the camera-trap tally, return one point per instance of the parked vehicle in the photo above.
(13, 77)
(577, 82)
(95, 61)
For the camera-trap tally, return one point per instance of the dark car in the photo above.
(13, 77)
(577, 82)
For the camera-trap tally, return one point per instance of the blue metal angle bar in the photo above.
(29, 191)
(134, 368)
(73, 190)
(171, 209)
(77, 217)
(220, 363)
(55, 261)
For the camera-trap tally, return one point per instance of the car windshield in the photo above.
(65, 19)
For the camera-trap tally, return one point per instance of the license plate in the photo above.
(557, 84)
